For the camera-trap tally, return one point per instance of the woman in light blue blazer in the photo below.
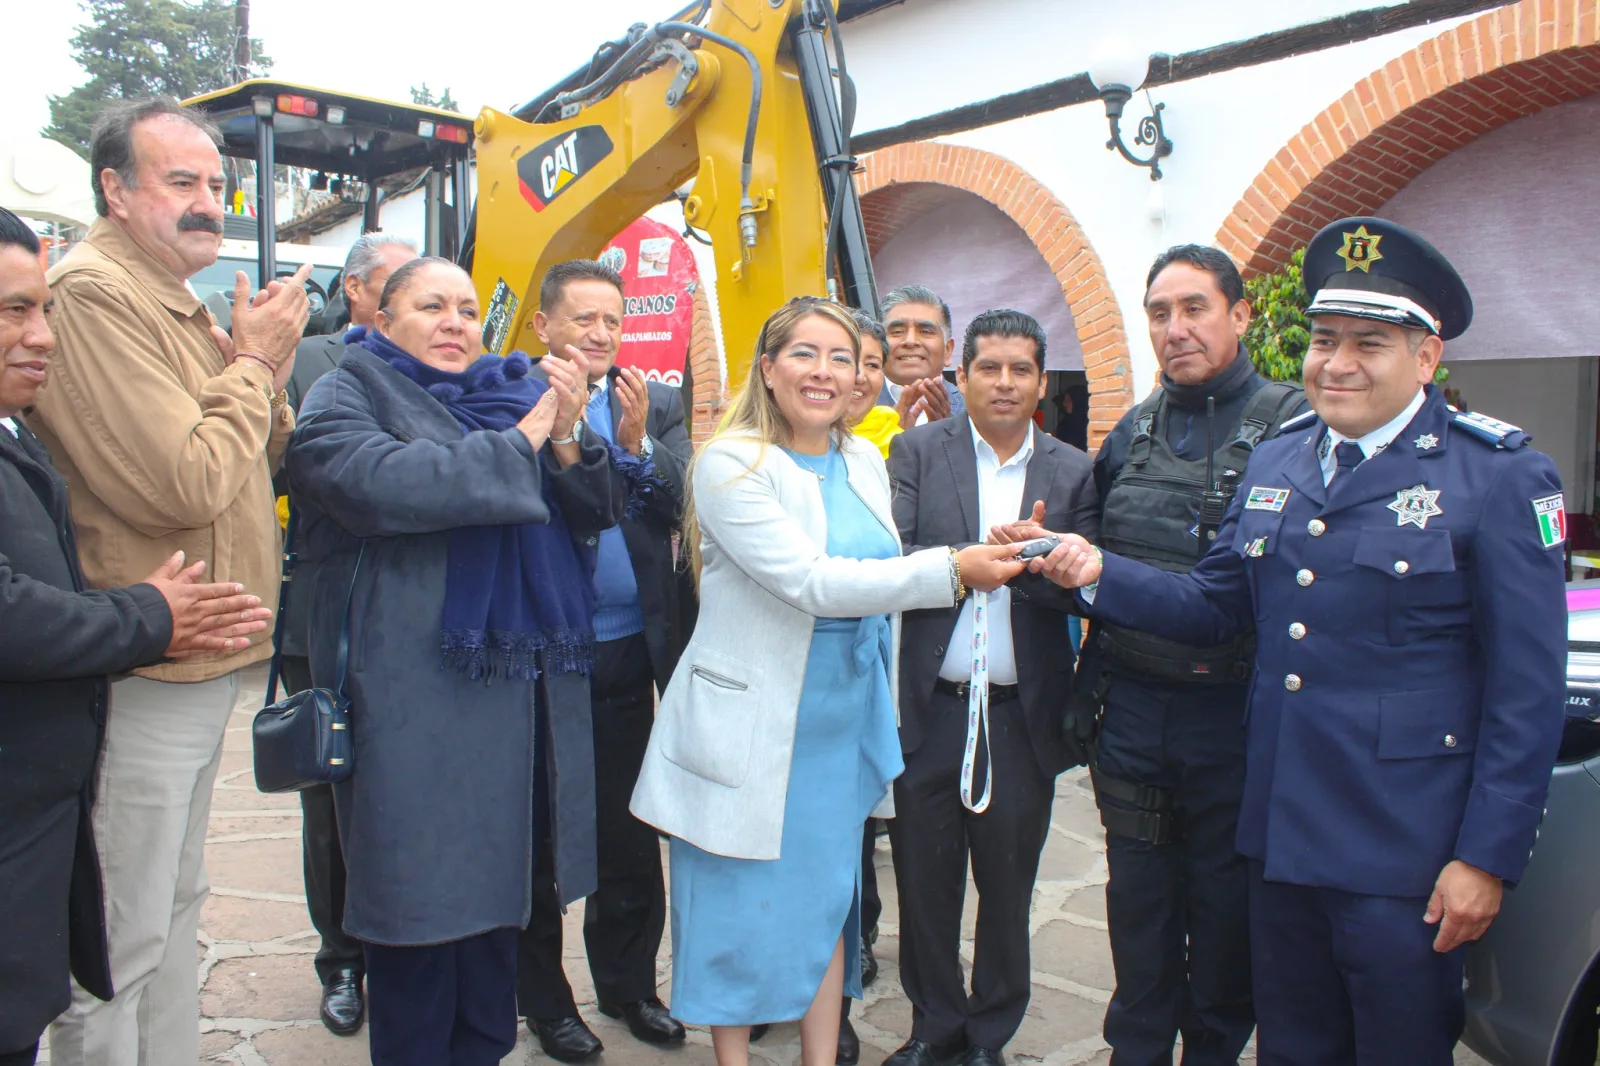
(777, 736)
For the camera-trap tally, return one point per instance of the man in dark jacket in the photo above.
(645, 613)
(340, 967)
(59, 642)
(1170, 768)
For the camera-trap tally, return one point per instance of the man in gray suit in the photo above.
(1010, 645)
(340, 966)
(917, 323)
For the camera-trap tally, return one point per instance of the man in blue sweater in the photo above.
(645, 611)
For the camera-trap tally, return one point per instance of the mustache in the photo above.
(204, 223)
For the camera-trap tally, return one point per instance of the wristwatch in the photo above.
(280, 399)
(647, 447)
(572, 438)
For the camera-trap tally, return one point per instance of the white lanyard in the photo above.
(978, 708)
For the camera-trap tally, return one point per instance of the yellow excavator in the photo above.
(741, 109)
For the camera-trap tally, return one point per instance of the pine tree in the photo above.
(134, 48)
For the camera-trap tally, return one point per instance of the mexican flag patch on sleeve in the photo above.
(1551, 514)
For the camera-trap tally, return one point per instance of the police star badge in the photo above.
(1360, 250)
(1426, 442)
(1414, 506)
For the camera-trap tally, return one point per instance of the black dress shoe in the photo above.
(983, 1056)
(916, 1052)
(566, 1039)
(343, 1006)
(758, 1031)
(647, 1019)
(869, 963)
(849, 1044)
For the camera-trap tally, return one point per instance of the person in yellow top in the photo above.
(870, 420)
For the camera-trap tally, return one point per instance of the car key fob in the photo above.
(1041, 546)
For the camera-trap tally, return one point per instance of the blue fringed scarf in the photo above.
(511, 592)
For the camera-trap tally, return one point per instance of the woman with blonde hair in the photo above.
(776, 737)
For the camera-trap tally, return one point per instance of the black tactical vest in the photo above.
(1151, 514)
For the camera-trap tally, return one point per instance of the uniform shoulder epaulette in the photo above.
(1489, 430)
(1299, 421)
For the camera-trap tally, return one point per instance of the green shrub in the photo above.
(1278, 333)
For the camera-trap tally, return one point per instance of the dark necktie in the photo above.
(1348, 454)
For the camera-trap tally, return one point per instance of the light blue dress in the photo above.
(751, 938)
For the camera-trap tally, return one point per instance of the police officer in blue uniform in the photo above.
(1168, 765)
(1402, 565)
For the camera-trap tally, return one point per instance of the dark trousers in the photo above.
(1180, 927)
(449, 1004)
(22, 1057)
(1179, 922)
(1345, 979)
(871, 900)
(933, 834)
(624, 918)
(322, 859)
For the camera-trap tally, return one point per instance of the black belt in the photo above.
(960, 690)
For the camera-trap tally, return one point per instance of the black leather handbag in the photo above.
(304, 739)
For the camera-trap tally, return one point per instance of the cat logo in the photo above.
(548, 170)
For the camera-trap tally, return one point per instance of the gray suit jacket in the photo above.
(934, 465)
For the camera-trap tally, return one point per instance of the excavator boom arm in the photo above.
(748, 113)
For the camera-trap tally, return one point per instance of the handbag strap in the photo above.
(276, 669)
(342, 663)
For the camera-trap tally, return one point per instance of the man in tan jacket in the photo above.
(166, 432)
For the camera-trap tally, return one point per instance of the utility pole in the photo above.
(241, 71)
(241, 40)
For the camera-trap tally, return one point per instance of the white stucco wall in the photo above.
(924, 56)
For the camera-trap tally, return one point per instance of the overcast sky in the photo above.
(487, 52)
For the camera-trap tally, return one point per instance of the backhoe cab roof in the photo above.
(336, 133)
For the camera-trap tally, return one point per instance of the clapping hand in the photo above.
(535, 425)
(205, 618)
(569, 380)
(935, 400)
(634, 396)
(910, 405)
(269, 325)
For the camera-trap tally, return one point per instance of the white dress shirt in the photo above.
(10, 425)
(1371, 443)
(1000, 488)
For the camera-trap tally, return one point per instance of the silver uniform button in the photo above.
(1305, 577)
(1401, 566)
(1292, 682)
(1296, 630)
(1316, 527)
(1449, 740)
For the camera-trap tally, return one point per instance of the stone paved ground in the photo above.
(259, 997)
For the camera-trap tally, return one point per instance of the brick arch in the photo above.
(902, 182)
(1409, 114)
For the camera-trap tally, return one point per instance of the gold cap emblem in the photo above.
(1360, 250)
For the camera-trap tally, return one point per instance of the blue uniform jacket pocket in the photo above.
(1421, 725)
(1406, 553)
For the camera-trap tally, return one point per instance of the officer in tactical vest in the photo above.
(1169, 769)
